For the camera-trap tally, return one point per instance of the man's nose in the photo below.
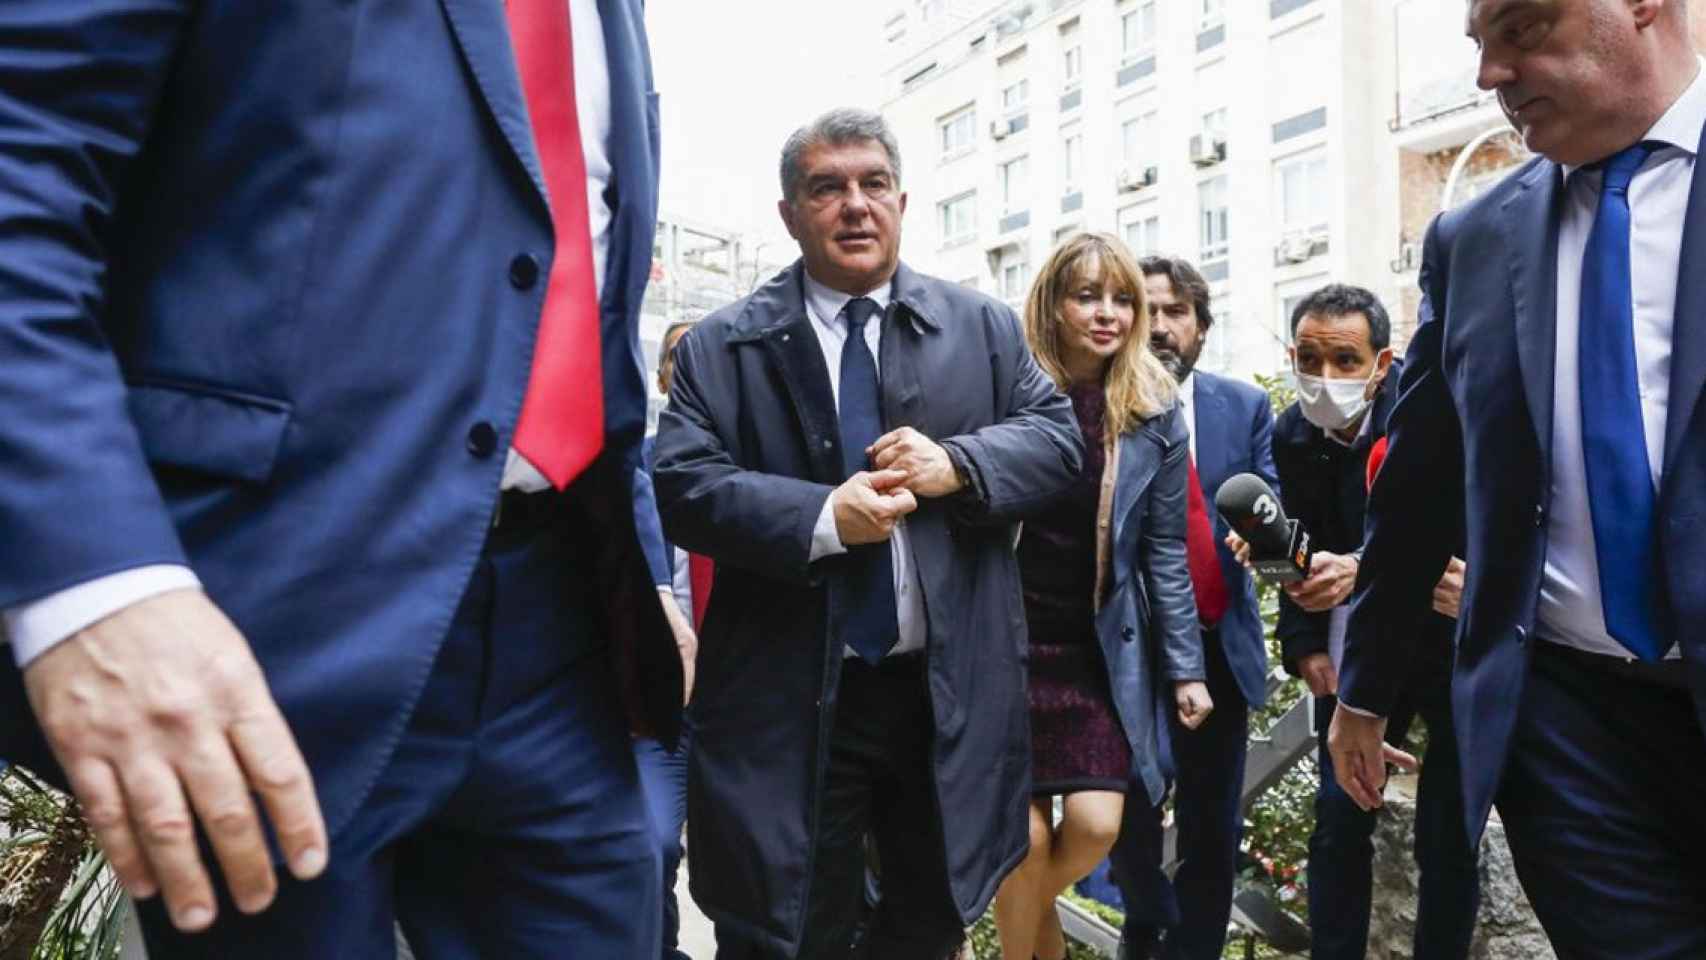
(855, 204)
(1493, 72)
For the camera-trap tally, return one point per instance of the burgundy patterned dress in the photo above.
(1077, 742)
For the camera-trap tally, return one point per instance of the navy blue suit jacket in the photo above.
(1472, 432)
(256, 296)
(1235, 429)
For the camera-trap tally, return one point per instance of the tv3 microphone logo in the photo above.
(1265, 509)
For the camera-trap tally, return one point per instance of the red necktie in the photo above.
(700, 571)
(562, 416)
(1206, 578)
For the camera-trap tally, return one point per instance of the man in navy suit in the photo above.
(322, 415)
(1231, 426)
(1554, 397)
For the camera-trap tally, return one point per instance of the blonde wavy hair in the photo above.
(1136, 385)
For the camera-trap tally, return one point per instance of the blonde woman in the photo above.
(1107, 591)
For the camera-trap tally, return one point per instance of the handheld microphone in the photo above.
(1279, 548)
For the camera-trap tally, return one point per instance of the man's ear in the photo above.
(903, 203)
(1382, 366)
(1647, 12)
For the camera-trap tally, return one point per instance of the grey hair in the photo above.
(836, 128)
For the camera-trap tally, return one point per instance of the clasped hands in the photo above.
(906, 465)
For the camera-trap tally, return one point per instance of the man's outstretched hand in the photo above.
(1360, 755)
(161, 718)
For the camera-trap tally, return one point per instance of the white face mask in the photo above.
(1331, 404)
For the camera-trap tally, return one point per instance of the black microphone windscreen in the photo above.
(1255, 514)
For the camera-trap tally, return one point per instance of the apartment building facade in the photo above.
(1249, 136)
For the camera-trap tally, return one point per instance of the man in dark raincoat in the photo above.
(854, 445)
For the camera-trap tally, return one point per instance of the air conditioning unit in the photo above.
(999, 129)
(1295, 248)
(1207, 149)
(1136, 179)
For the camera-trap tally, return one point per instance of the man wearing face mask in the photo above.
(1347, 384)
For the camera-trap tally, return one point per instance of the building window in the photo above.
(1071, 162)
(929, 10)
(1214, 125)
(1014, 183)
(958, 131)
(1137, 32)
(959, 218)
(1136, 148)
(1143, 235)
(1213, 13)
(1014, 98)
(1067, 233)
(1300, 192)
(1015, 276)
(1072, 66)
(1215, 234)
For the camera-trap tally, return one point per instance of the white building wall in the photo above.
(1331, 55)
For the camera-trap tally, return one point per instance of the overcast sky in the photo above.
(735, 77)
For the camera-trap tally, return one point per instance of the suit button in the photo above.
(524, 271)
(1539, 515)
(1129, 633)
(482, 440)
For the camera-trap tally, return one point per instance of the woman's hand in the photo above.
(1193, 701)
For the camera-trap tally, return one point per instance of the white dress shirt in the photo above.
(1188, 407)
(823, 306)
(1570, 610)
(37, 625)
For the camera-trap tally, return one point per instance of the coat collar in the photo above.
(782, 300)
(1530, 223)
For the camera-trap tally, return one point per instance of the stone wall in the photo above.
(1506, 929)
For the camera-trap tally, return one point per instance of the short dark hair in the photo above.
(1344, 300)
(1186, 282)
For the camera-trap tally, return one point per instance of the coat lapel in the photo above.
(482, 32)
(1530, 224)
(1209, 409)
(776, 317)
(1688, 336)
(1139, 458)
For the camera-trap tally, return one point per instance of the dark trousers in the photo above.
(879, 787)
(1341, 849)
(509, 822)
(663, 774)
(1194, 906)
(1602, 803)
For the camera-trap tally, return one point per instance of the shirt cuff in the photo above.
(39, 625)
(826, 540)
(1360, 711)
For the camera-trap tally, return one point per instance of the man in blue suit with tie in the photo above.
(1231, 427)
(319, 432)
(1554, 397)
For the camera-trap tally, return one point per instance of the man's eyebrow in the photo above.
(1503, 9)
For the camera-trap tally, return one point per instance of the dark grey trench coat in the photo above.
(748, 450)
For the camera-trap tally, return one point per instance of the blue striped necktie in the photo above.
(869, 621)
(1614, 446)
